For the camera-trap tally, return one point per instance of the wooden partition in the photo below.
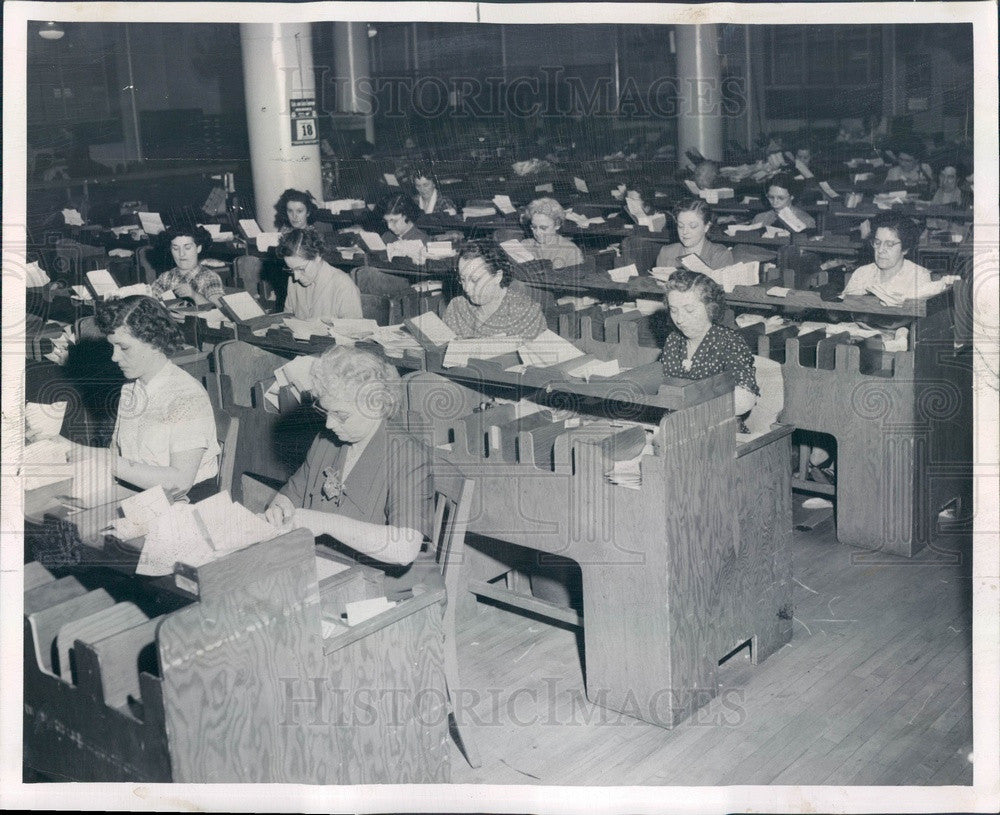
(243, 681)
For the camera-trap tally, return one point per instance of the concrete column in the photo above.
(351, 63)
(699, 120)
(277, 67)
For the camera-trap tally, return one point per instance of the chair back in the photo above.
(146, 270)
(769, 405)
(239, 366)
(227, 429)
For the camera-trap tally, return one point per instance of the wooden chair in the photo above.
(227, 430)
(147, 272)
(452, 507)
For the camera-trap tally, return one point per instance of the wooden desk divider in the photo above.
(902, 422)
(239, 684)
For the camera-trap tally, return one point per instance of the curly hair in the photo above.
(698, 205)
(375, 384)
(549, 207)
(401, 205)
(146, 319)
(708, 290)
(423, 171)
(306, 243)
(783, 180)
(495, 259)
(907, 229)
(281, 207)
(198, 234)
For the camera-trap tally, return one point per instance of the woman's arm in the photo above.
(390, 544)
(178, 477)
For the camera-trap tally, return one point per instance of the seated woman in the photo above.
(893, 237)
(547, 217)
(706, 174)
(693, 218)
(700, 347)
(400, 214)
(948, 191)
(907, 171)
(319, 290)
(488, 307)
(428, 198)
(365, 482)
(165, 430)
(189, 278)
(295, 209)
(780, 192)
(637, 202)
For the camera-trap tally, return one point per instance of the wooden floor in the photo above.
(874, 689)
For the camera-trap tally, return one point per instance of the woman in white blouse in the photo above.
(165, 430)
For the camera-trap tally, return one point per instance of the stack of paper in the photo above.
(716, 195)
(427, 286)
(793, 221)
(304, 329)
(734, 229)
(596, 367)
(44, 462)
(349, 331)
(214, 318)
(626, 473)
(775, 232)
(361, 610)
(121, 253)
(516, 252)
(477, 212)
(694, 263)
(548, 348)
(35, 276)
(440, 249)
(662, 272)
(123, 230)
(242, 306)
(102, 283)
(460, 351)
(343, 205)
(746, 273)
(139, 511)
(415, 250)
(578, 303)
(43, 421)
(395, 340)
(143, 289)
(623, 273)
(886, 200)
(654, 222)
(854, 329)
(430, 330)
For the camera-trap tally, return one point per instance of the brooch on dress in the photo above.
(333, 485)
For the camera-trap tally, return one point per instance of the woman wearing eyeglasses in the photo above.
(365, 483)
(488, 307)
(780, 192)
(894, 236)
(319, 290)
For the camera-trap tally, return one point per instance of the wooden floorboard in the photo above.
(874, 688)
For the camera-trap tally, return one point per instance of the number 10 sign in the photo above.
(304, 129)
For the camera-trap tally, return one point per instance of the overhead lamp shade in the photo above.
(51, 31)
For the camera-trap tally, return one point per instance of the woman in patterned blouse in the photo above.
(488, 307)
(189, 278)
(700, 347)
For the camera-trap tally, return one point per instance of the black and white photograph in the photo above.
(500, 407)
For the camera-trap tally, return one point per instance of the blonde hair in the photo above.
(547, 206)
(376, 384)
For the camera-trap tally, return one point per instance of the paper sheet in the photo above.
(415, 250)
(152, 223)
(373, 241)
(136, 288)
(266, 240)
(623, 273)
(516, 252)
(102, 282)
(72, 217)
(580, 184)
(791, 219)
(504, 204)
(361, 610)
(390, 179)
(433, 328)
(548, 348)
(694, 263)
(243, 305)
(304, 329)
(828, 190)
(174, 537)
(460, 351)
(596, 367)
(250, 227)
(35, 276)
(231, 526)
(44, 421)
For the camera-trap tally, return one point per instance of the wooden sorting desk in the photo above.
(224, 673)
(902, 420)
(677, 574)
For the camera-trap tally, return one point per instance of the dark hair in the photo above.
(906, 228)
(146, 318)
(910, 146)
(959, 168)
(307, 243)
(709, 291)
(281, 208)
(646, 193)
(198, 234)
(423, 171)
(496, 259)
(784, 180)
(401, 205)
(693, 205)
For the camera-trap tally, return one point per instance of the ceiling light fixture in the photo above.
(51, 31)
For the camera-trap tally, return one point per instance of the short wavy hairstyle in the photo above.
(708, 291)
(281, 207)
(698, 205)
(784, 180)
(493, 257)
(423, 171)
(198, 234)
(146, 318)
(401, 205)
(306, 243)
(907, 229)
(346, 370)
(549, 207)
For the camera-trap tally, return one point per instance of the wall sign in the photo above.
(304, 130)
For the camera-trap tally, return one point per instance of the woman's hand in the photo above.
(184, 290)
(280, 511)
